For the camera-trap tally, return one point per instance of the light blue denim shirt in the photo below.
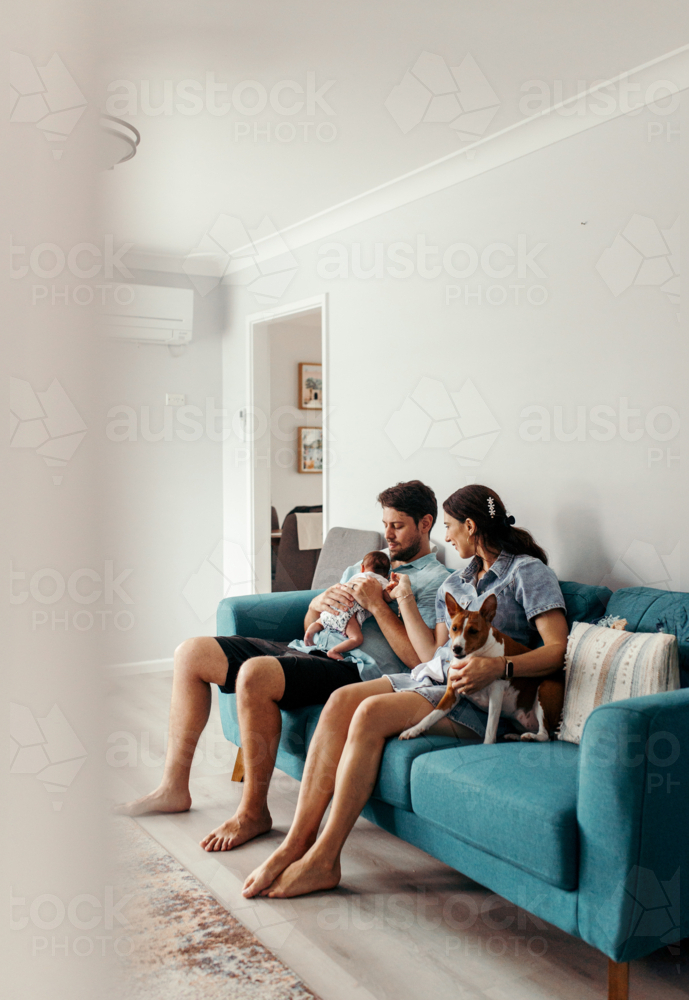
(375, 656)
(524, 586)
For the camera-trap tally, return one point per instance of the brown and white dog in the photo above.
(535, 703)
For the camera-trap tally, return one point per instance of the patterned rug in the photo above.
(182, 944)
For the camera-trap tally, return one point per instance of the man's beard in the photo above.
(406, 555)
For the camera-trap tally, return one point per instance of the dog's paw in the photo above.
(535, 738)
(408, 734)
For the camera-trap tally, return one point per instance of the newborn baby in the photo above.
(348, 622)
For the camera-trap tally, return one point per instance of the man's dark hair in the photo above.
(413, 498)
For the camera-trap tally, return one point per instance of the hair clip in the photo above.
(491, 506)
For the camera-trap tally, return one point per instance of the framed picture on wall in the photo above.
(310, 449)
(310, 386)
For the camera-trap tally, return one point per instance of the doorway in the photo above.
(288, 460)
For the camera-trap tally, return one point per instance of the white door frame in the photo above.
(258, 374)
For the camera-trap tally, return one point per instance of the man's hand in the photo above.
(336, 598)
(368, 593)
(473, 673)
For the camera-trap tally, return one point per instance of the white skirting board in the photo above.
(143, 667)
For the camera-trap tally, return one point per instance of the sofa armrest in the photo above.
(633, 815)
(279, 616)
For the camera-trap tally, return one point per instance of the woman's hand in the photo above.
(473, 673)
(399, 586)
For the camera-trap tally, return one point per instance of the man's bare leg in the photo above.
(198, 663)
(259, 687)
(317, 782)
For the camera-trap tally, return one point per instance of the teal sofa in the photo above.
(591, 838)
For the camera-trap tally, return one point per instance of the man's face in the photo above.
(403, 536)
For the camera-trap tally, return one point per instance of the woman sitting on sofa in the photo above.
(346, 749)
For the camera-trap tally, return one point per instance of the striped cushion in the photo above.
(605, 664)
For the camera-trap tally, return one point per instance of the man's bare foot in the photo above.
(309, 874)
(335, 656)
(159, 801)
(236, 831)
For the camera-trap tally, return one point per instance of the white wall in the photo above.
(290, 344)
(161, 491)
(590, 502)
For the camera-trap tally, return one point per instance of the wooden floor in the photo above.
(401, 924)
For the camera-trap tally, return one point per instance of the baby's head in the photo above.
(376, 562)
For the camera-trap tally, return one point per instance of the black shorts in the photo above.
(310, 678)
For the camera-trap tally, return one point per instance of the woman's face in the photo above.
(460, 535)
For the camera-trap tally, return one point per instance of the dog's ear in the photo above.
(489, 607)
(451, 605)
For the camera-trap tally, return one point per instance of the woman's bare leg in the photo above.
(374, 720)
(318, 780)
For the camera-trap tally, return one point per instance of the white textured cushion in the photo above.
(606, 664)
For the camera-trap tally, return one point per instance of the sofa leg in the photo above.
(238, 772)
(618, 980)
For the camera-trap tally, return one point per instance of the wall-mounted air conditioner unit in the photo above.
(150, 314)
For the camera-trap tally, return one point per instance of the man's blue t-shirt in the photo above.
(375, 656)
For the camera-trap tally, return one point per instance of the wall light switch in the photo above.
(174, 399)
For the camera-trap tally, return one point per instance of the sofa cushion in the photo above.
(517, 801)
(584, 603)
(650, 610)
(394, 778)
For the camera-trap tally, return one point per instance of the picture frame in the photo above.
(310, 385)
(310, 450)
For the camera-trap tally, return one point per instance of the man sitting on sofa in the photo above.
(268, 676)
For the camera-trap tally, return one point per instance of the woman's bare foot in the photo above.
(263, 877)
(237, 830)
(160, 801)
(309, 874)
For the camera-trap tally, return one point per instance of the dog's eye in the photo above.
(472, 631)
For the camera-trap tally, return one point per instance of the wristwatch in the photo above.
(509, 670)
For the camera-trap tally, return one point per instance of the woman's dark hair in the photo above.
(414, 499)
(494, 527)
